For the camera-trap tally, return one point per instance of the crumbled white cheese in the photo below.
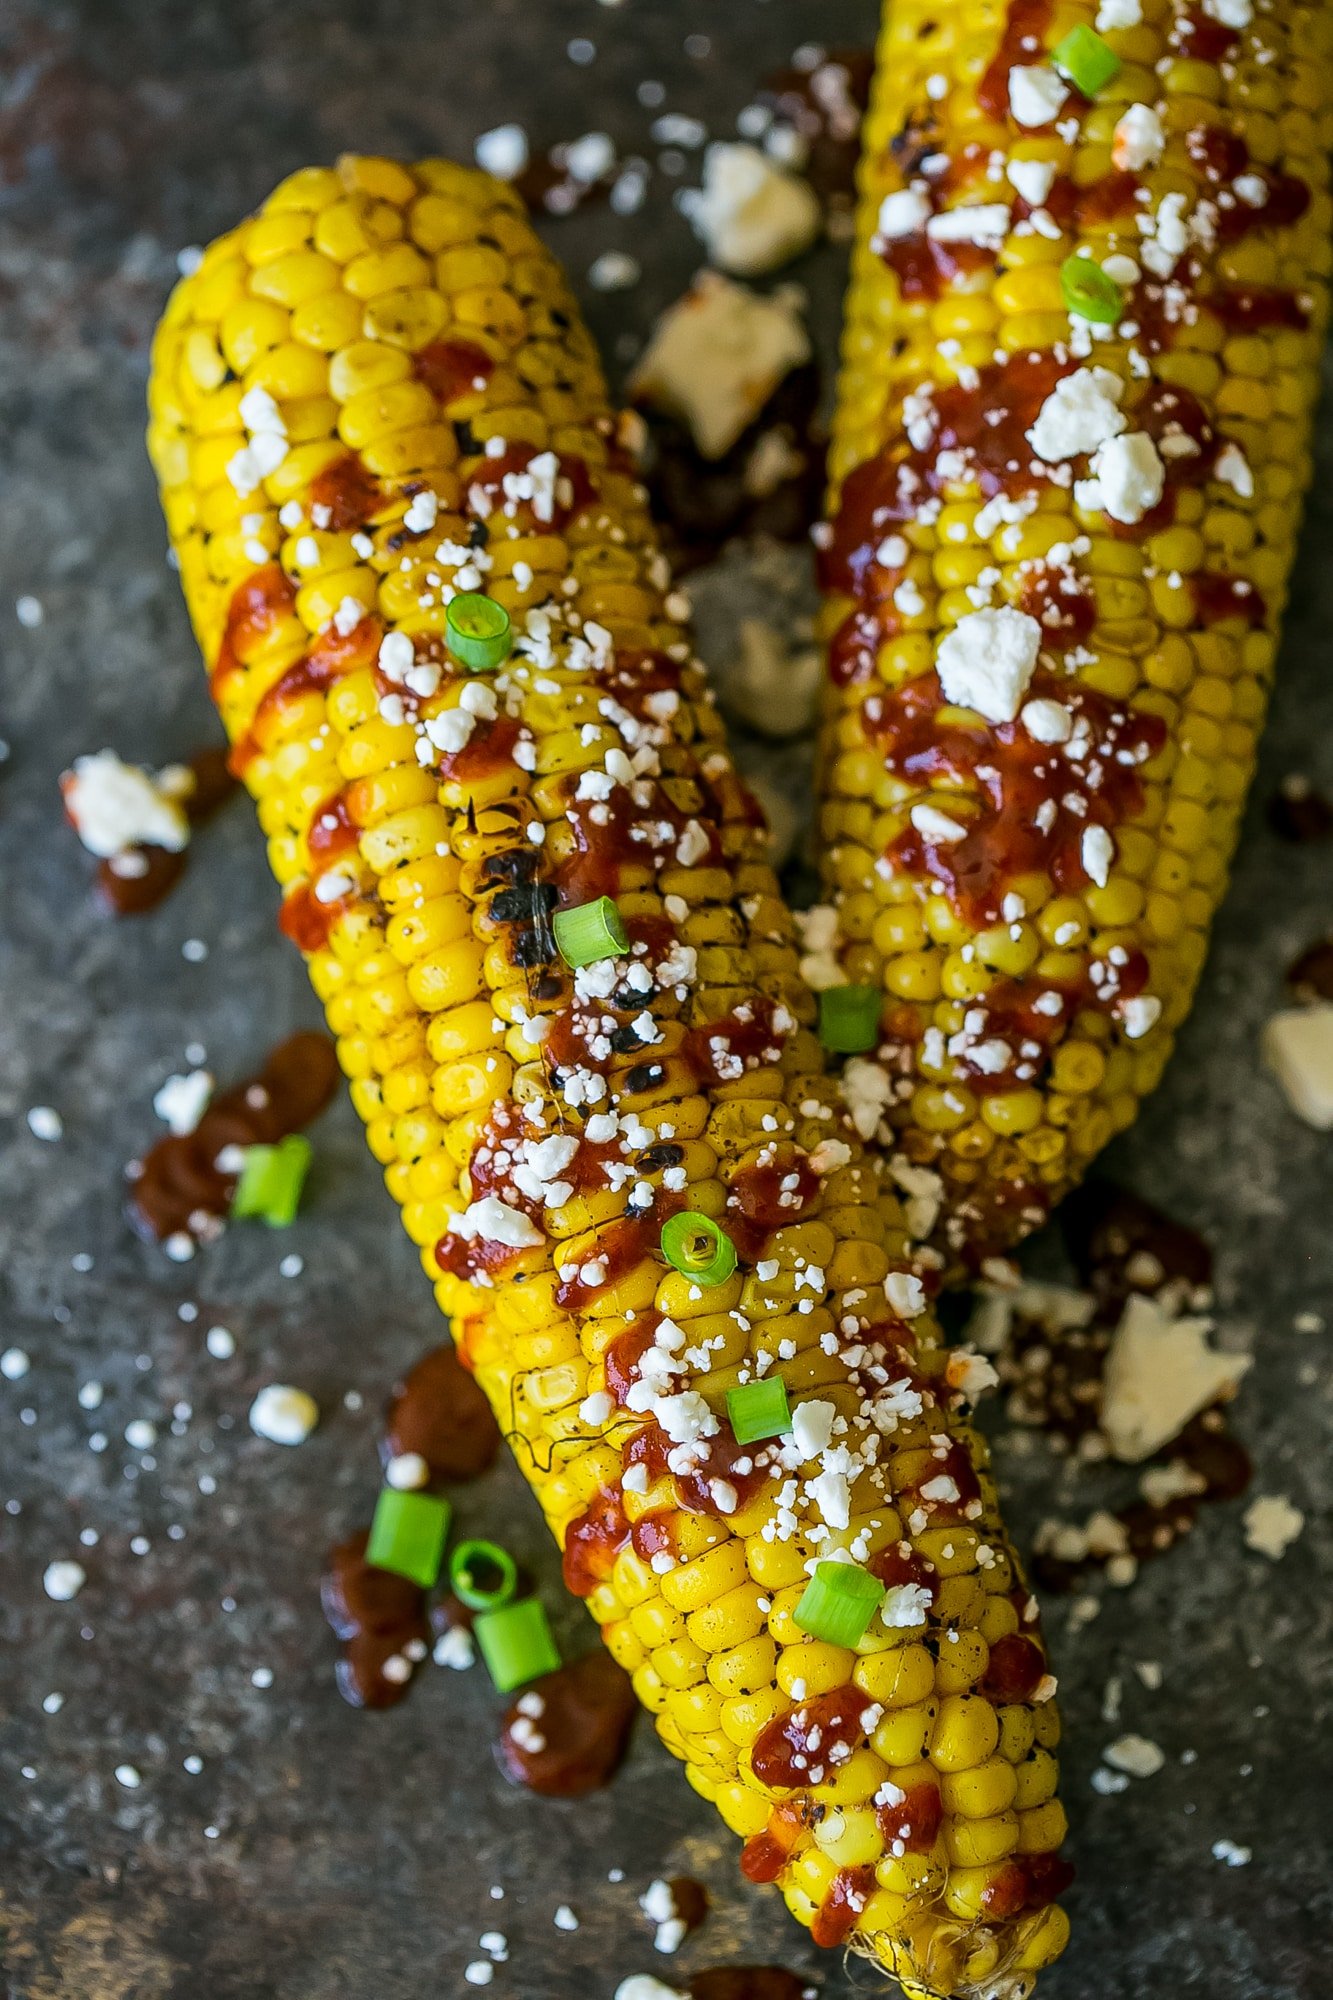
(1112, 14)
(1140, 139)
(1272, 1525)
(903, 213)
(1140, 1014)
(751, 215)
(1159, 1374)
(1035, 94)
(63, 1580)
(115, 805)
(906, 1294)
(1297, 1046)
(283, 1415)
(987, 661)
(1231, 13)
(407, 1472)
(503, 151)
(812, 1427)
(643, 1986)
(1127, 480)
(867, 1091)
(1081, 413)
(716, 357)
(1097, 852)
(932, 824)
(1136, 1756)
(1233, 469)
(181, 1101)
(986, 224)
(1047, 721)
(1032, 179)
(495, 1222)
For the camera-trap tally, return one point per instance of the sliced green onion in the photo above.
(271, 1180)
(759, 1410)
(482, 1575)
(478, 631)
(408, 1535)
(849, 1019)
(694, 1245)
(838, 1603)
(516, 1643)
(1090, 293)
(590, 931)
(1088, 61)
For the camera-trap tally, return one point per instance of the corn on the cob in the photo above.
(371, 397)
(1052, 612)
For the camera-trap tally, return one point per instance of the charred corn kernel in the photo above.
(536, 1152)
(971, 818)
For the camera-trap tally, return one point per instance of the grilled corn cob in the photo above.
(371, 403)
(1088, 295)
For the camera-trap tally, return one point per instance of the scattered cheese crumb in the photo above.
(752, 216)
(283, 1415)
(1159, 1373)
(63, 1580)
(1297, 1046)
(716, 357)
(1136, 1756)
(1272, 1525)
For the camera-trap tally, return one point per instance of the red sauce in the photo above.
(332, 830)
(827, 117)
(488, 751)
(1014, 777)
(807, 1744)
(377, 1615)
(900, 1565)
(1015, 1669)
(1061, 603)
(745, 1039)
(619, 1249)
(766, 1854)
(1025, 25)
(913, 1826)
(1078, 206)
(622, 1357)
(137, 881)
(259, 604)
(331, 656)
(1026, 1882)
(615, 830)
(452, 368)
(747, 1982)
(1218, 597)
(1202, 38)
(954, 1464)
(180, 1188)
(635, 675)
(486, 489)
(764, 1198)
(576, 1743)
(655, 1535)
(438, 1411)
(840, 1912)
(855, 645)
(593, 1541)
(924, 266)
(988, 422)
(349, 491)
(306, 920)
(1249, 308)
(744, 1467)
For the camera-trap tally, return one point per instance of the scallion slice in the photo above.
(271, 1181)
(408, 1535)
(482, 1575)
(516, 1643)
(838, 1603)
(759, 1410)
(590, 931)
(1090, 293)
(694, 1245)
(478, 631)
(1088, 61)
(849, 1019)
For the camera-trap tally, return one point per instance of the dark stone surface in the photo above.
(320, 1853)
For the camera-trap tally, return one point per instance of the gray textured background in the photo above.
(353, 1855)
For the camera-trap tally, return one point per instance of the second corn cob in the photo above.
(1088, 297)
(373, 409)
